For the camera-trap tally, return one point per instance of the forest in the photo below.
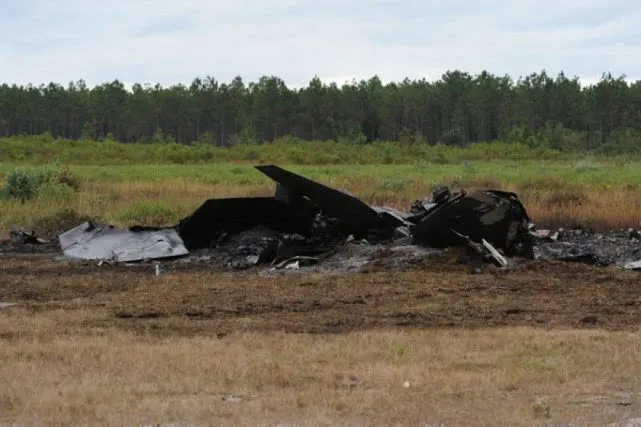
(458, 109)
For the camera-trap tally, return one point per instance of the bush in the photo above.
(622, 141)
(25, 183)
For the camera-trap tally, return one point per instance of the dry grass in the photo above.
(163, 203)
(600, 210)
(68, 375)
(217, 351)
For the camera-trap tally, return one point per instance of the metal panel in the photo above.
(104, 242)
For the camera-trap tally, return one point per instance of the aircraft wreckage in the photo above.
(305, 219)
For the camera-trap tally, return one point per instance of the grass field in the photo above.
(90, 345)
(587, 194)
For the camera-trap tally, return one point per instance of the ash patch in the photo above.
(357, 258)
(260, 246)
(10, 250)
(616, 247)
(275, 255)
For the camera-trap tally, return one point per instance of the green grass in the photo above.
(529, 175)
(333, 162)
(43, 149)
(165, 185)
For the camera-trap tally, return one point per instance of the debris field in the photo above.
(316, 259)
(307, 223)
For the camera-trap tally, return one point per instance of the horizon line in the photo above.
(586, 81)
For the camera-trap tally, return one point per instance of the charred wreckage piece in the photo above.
(306, 219)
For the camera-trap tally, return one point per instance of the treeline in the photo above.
(457, 109)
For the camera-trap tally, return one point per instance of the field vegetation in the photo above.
(157, 184)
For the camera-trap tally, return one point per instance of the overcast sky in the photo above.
(174, 41)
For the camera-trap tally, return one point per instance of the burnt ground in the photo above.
(438, 291)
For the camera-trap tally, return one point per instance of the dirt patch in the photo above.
(200, 299)
(120, 345)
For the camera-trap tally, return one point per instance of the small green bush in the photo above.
(25, 183)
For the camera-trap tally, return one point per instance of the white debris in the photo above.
(495, 254)
(103, 242)
(633, 265)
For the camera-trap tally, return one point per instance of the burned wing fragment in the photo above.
(354, 216)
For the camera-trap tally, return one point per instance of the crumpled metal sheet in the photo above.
(104, 242)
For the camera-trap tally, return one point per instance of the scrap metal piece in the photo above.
(105, 242)
(496, 255)
(485, 249)
(7, 304)
(295, 263)
(546, 235)
(496, 216)
(22, 236)
(632, 265)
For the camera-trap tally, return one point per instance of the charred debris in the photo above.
(306, 222)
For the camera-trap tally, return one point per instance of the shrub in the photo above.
(64, 176)
(25, 183)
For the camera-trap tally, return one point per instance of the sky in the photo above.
(170, 42)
